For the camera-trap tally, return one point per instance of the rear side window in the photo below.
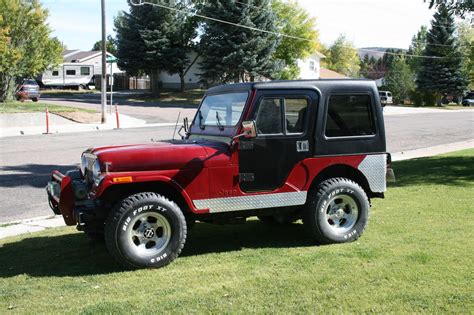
(349, 116)
(85, 71)
(70, 72)
(55, 73)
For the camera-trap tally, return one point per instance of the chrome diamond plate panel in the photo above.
(216, 205)
(374, 169)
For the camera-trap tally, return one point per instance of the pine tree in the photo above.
(443, 72)
(152, 39)
(131, 47)
(231, 53)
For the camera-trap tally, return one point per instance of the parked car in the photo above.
(385, 98)
(28, 89)
(281, 151)
(468, 100)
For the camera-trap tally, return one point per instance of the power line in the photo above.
(142, 3)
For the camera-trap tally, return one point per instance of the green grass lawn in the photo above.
(29, 107)
(190, 98)
(415, 257)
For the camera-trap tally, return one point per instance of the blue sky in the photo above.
(385, 23)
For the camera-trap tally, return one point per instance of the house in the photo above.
(310, 67)
(191, 79)
(79, 68)
(329, 74)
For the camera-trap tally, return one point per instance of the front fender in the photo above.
(166, 177)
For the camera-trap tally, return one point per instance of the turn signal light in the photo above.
(127, 179)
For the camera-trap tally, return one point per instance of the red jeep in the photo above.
(281, 151)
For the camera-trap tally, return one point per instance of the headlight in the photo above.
(96, 175)
(83, 165)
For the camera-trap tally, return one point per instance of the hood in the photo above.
(161, 156)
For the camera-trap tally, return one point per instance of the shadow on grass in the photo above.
(446, 170)
(75, 255)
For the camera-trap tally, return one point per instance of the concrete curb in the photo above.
(30, 225)
(42, 223)
(432, 151)
(39, 128)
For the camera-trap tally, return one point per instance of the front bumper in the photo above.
(61, 196)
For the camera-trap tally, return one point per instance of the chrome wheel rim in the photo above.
(149, 234)
(341, 213)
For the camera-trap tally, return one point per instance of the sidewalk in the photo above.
(12, 125)
(400, 110)
(39, 224)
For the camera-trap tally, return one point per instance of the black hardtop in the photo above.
(320, 84)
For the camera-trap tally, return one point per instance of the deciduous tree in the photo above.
(466, 45)
(459, 7)
(400, 79)
(109, 45)
(417, 47)
(295, 21)
(26, 45)
(342, 57)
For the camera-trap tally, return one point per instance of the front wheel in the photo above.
(145, 230)
(337, 211)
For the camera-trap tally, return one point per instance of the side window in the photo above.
(349, 115)
(85, 71)
(295, 114)
(55, 73)
(269, 116)
(70, 72)
(312, 65)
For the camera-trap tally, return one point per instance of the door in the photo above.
(285, 122)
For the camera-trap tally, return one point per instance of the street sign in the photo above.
(111, 60)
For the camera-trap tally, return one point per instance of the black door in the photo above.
(285, 128)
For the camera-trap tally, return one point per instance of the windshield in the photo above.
(223, 110)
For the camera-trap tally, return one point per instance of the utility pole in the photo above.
(103, 99)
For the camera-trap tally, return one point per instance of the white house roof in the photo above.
(81, 56)
(320, 55)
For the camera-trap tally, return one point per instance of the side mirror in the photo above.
(249, 130)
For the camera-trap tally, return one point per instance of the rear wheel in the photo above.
(337, 212)
(34, 99)
(146, 230)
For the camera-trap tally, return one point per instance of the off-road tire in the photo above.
(122, 222)
(318, 208)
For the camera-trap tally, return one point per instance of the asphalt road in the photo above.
(26, 162)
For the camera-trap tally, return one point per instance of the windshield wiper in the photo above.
(221, 127)
(201, 125)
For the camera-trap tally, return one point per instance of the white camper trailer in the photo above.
(68, 75)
